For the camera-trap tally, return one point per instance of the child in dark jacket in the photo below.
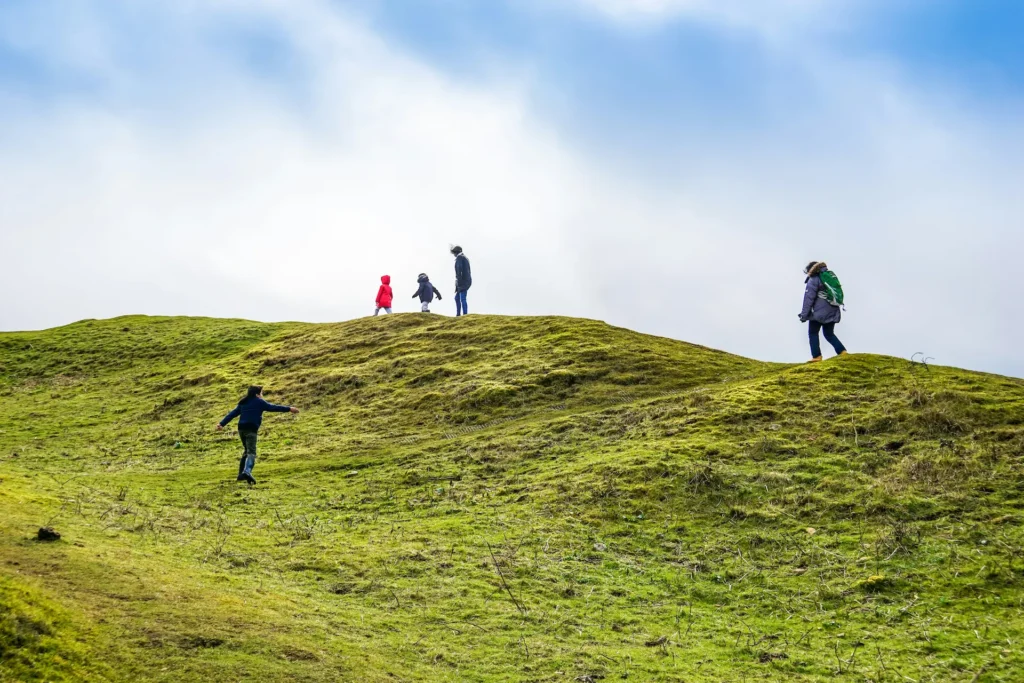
(384, 295)
(249, 412)
(426, 292)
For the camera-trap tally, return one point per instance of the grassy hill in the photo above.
(494, 499)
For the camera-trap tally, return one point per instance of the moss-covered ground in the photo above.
(500, 499)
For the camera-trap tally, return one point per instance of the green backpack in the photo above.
(831, 290)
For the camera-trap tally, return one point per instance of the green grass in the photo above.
(494, 499)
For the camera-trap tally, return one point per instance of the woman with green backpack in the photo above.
(823, 297)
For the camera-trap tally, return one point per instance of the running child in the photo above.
(249, 412)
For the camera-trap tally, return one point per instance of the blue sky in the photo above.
(638, 161)
(687, 64)
(675, 74)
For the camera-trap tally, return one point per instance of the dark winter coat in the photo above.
(384, 294)
(816, 306)
(426, 292)
(463, 277)
(251, 413)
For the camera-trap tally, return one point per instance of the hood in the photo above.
(385, 279)
(422, 278)
(816, 269)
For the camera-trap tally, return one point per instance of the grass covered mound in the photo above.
(493, 499)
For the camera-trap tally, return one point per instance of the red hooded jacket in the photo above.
(384, 293)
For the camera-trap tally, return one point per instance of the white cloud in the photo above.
(390, 163)
(729, 8)
(216, 194)
(772, 19)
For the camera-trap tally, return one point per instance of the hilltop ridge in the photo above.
(500, 498)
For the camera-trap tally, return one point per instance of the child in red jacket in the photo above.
(384, 295)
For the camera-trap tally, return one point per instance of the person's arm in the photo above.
(229, 417)
(379, 292)
(436, 293)
(418, 289)
(460, 272)
(810, 294)
(269, 407)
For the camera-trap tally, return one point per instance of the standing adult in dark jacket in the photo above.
(818, 313)
(249, 412)
(463, 281)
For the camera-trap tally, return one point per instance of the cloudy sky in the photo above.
(666, 165)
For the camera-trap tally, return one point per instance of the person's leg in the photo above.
(376, 311)
(424, 307)
(460, 303)
(250, 456)
(241, 461)
(831, 338)
(388, 310)
(813, 328)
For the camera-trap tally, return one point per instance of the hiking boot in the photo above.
(815, 360)
(843, 353)
(249, 478)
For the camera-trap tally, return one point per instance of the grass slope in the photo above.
(492, 499)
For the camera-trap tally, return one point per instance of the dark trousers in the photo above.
(830, 336)
(245, 465)
(461, 308)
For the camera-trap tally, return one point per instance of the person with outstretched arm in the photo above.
(425, 292)
(463, 281)
(819, 312)
(249, 412)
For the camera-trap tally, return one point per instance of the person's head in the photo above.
(254, 391)
(456, 250)
(814, 267)
(385, 279)
(422, 277)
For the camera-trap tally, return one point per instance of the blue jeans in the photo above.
(248, 460)
(460, 303)
(813, 328)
